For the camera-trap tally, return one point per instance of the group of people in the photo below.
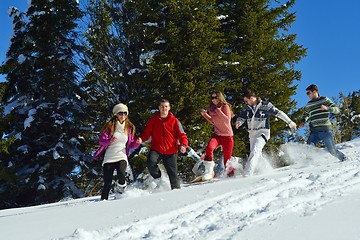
(168, 136)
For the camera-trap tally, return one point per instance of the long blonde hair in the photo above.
(223, 101)
(110, 125)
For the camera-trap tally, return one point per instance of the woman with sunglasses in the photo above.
(117, 137)
(219, 114)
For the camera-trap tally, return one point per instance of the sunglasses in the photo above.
(214, 97)
(122, 113)
(308, 92)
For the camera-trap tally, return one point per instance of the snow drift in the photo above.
(315, 197)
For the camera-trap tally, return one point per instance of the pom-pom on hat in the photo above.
(120, 108)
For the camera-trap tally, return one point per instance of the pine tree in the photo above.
(113, 52)
(260, 55)
(355, 115)
(103, 57)
(44, 100)
(5, 142)
(181, 49)
(349, 118)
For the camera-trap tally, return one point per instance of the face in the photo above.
(164, 109)
(215, 98)
(311, 94)
(122, 116)
(250, 101)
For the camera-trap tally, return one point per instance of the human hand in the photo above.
(323, 107)
(113, 139)
(183, 149)
(139, 140)
(301, 125)
(237, 125)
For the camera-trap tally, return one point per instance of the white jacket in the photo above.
(116, 151)
(258, 119)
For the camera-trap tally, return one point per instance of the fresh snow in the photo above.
(30, 118)
(315, 197)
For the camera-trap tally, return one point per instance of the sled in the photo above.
(198, 180)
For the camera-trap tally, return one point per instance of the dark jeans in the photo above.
(170, 165)
(108, 171)
(328, 139)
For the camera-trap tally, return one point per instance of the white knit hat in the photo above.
(120, 108)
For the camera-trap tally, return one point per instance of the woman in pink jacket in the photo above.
(116, 139)
(219, 114)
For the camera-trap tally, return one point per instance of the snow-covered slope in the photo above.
(316, 197)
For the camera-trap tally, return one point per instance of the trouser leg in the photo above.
(227, 143)
(328, 139)
(256, 146)
(121, 171)
(152, 164)
(170, 164)
(108, 171)
(213, 143)
(313, 138)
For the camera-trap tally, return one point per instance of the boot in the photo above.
(209, 170)
(120, 188)
(229, 169)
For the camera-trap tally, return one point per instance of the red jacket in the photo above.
(165, 134)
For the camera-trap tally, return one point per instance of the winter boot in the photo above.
(229, 169)
(209, 170)
(120, 188)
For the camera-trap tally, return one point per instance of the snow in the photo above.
(14, 104)
(145, 58)
(315, 197)
(21, 58)
(150, 24)
(30, 118)
(136, 70)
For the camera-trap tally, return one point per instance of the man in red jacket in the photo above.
(165, 131)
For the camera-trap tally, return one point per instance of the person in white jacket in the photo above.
(257, 115)
(116, 140)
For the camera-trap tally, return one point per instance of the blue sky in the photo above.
(330, 30)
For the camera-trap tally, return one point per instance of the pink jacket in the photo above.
(220, 117)
(104, 141)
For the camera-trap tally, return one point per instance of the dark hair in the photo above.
(248, 94)
(312, 88)
(164, 101)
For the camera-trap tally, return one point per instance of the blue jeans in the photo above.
(328, 139)
(220, 168)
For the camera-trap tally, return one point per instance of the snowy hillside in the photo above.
(316, 197)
